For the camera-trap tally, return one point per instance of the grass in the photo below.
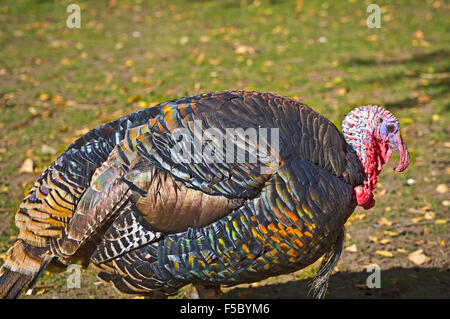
(56, 83)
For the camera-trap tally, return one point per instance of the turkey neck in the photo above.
(360, 132)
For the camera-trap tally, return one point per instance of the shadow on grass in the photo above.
(437, 82)
(415, 58)
(395, 283)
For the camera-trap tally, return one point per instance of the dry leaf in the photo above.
(373, 239)
(65, 61)
(418, 34)
(58, 99)
(384, 253)
(33, 111)
(43, 96)
(385, 241)
(390, 233)
(128, 63)
(342, 91)
(244, 49)
(4, 189)
(429, 215)
(352, 248)
(418, 257)
(41, 291)
(416, 220)
(442, 188)
(383, 221)
(299, 6)
(358, 216)
(27, 166)
(133, 98)
(423, 98)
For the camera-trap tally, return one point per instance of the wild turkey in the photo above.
(119, 197)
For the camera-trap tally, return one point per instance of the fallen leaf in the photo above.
(204, 39)
(429, 215)
(342, 91)
(416, 220)
(43, 96)
(142, 104)
(27, 166)
(384, 253)
(33, 111)
(442, 188)
(352, 248)
(58, 99)
(244, 49)
(373, 239)
(4, 189)
(418, 257)
(390, 233)
(385, 241)
(41, 291)
(128, 63)
(383, 221)
(299, 6)
(65, 61)
(184, 40)
(372, 38)
(423, 98)
(440, 221)
(418, 34)
(133, 98)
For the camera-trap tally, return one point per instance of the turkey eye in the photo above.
(391, 128)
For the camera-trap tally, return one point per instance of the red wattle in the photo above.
(364, 197)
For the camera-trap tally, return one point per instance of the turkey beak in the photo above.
(398, 146)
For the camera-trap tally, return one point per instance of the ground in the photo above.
(56, 83)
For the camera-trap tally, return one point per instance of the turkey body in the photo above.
(118, 199)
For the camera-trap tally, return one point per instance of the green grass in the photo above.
(56, 82)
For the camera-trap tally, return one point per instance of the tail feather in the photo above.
(21, 269)
(13, 283)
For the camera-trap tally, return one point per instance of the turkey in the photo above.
(165, 196)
